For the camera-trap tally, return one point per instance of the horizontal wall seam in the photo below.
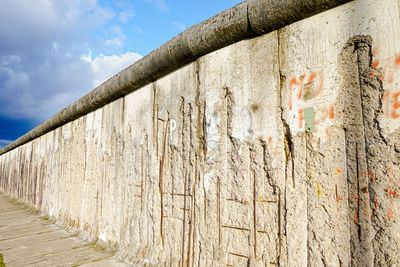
(248, 19)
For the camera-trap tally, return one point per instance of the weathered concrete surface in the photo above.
(280, 150)
(29, 239)
(225, 28)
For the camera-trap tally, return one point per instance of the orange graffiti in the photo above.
(389, 74)
(373, 74)
(391, 194)
(308, 85)
(397, 60)
(325, 113)
(396, 105)
(374, 200)
(390, 212)
(391, 111)
(355, 218)
(359, 198)
(307, 90)
(328, 134)
(301, 118)
(312, 77)
(331, 114)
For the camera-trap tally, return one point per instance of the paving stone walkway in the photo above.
(27, 239)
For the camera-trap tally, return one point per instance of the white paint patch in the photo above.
(66, 131)
(51, 209)
(213, 135)
(206, 180)
(96, 127)
(89, 125)
(172, 126)
(102, 237)
(241, 123)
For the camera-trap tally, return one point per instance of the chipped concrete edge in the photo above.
(248, 19)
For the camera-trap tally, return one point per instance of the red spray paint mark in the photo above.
(372, 74)
(375, 65)
(308, 85)
(331, 113)
(324, 113)
(390, 210)
(396, 105)
(301, 118)
(328, 134)
(299, 83)
(391, 111)
(355, 218)
(397, 60)
(382, 76)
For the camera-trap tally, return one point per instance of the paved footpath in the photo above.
(27, 239)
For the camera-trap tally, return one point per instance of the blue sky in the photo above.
(52, 52)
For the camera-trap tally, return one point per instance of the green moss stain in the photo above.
(2, 264)
(98, 248)
(96, 260)
(309, 118)
(255, 107)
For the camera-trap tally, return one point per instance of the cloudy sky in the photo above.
(52, 52)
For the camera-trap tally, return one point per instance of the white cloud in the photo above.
(160, 4)
(180, 26)
(125, 16)
(104, 67)
(116, 30)
(117, 37)
(56, 46)
(41, 65)
(114, 42)
(10, 60)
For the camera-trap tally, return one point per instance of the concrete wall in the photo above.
(281, 150)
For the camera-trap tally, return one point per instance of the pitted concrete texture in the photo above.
(27, 239)
(279, 150)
